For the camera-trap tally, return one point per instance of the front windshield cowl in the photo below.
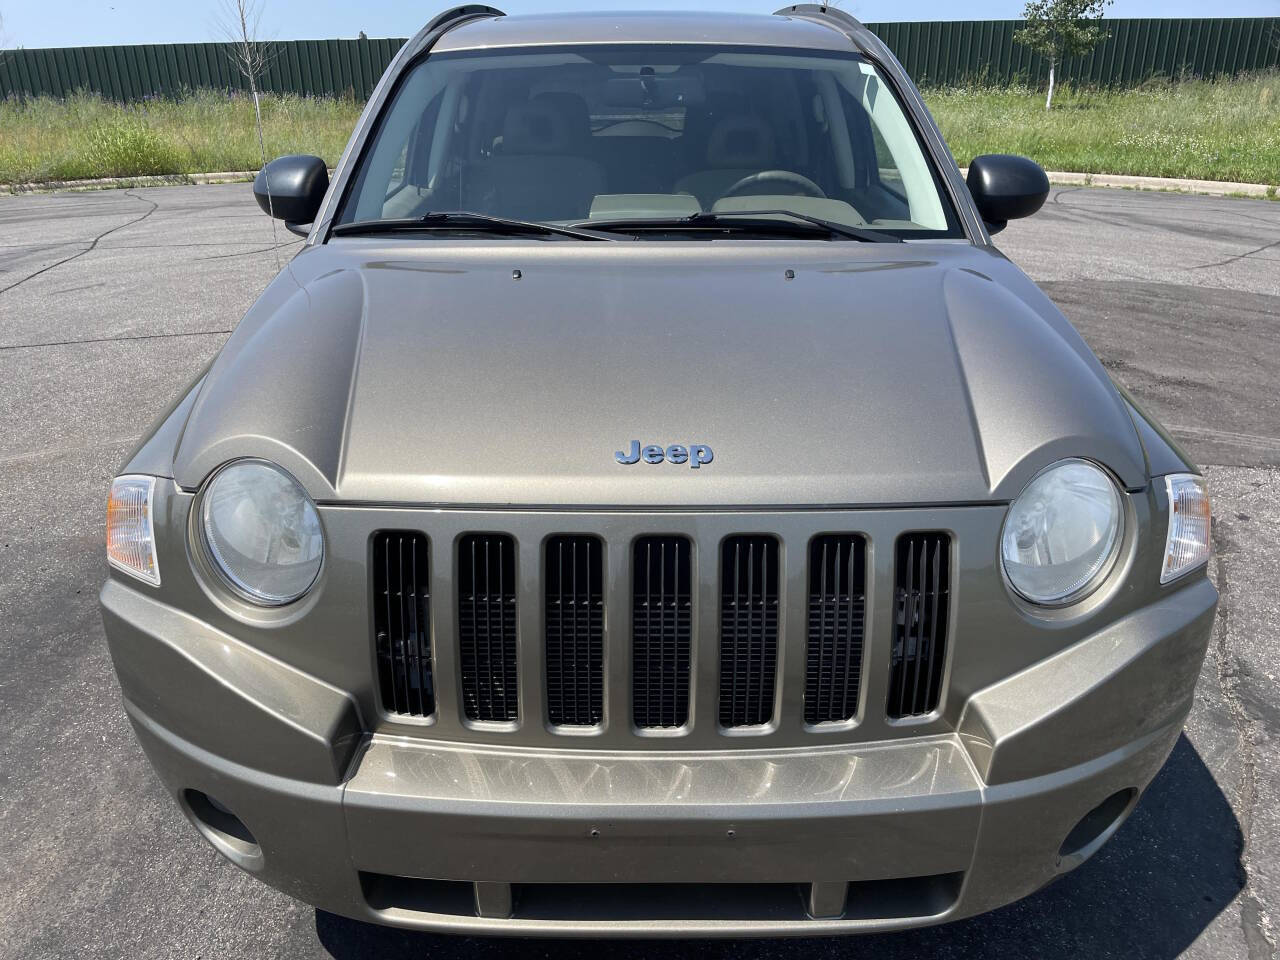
(568, 136)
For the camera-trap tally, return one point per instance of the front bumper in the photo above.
(796, 841)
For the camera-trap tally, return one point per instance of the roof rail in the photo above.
(829, 16)
(440, 24)
(457, 13)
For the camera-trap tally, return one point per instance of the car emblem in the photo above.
(695, 454)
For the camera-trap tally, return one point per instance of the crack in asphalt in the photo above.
(1242, 256)
(92, 246)
(1254, 921)
(140, 336)
(247, 253)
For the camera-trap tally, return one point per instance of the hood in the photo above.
(390, 372)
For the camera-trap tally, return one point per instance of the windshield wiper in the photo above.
(748, 221)
(465, 220)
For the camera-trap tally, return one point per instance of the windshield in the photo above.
(596, 134)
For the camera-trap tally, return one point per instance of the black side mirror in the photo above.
(1005, 187)
(298, 184)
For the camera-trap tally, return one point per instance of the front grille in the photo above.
(921, 598)
(487, 626)
(837, 606)
(574, 575)
(748, 630)
(661, 632)
(402, 622)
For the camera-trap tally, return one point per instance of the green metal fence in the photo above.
(937, 53)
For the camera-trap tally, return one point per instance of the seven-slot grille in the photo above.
(837, 607)
(661, 632)
(661, 628)
(922, 575)
(574, 638)
(486, 576)
(748, 630)
(402, 622)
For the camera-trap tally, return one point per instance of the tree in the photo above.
(1058, 29)
(241, 24)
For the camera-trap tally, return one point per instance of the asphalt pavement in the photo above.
(111, 301)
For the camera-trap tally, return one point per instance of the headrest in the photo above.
(551, 123)
(571, 106)
(741, 142)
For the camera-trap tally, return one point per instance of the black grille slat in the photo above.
(922, 593)
(402, 622)
(574, 631)
(661, 632)
(486, 574)
(837, 612)
(748, 630)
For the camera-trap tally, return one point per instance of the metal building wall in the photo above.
(934, 53)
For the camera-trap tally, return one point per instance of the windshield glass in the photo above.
(637, 132)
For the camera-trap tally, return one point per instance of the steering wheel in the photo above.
(800, 185)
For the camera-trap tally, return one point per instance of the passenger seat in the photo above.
(540, 171)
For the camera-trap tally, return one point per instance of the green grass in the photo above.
(1211, 130)
(1205, 130)
(207, 132)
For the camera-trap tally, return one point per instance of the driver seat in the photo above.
(739, 146)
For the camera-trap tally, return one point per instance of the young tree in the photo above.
(1057, 29)
(240, 23)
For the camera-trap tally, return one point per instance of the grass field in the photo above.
(207, 132)
(1224, 130)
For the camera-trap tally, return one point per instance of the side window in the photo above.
(389, 168)
(398, 172)
(886, 147)
(886, 169)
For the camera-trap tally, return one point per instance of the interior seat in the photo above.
(738, 146)
(540, 171)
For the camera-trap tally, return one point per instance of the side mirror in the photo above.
(298, 184)
(1005, 187)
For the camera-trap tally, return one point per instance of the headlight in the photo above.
(262, 532)
(1062, 533)
(1187, 544)
(131, 539)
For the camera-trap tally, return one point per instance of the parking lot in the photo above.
(112, 301)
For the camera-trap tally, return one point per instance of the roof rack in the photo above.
(832, 17)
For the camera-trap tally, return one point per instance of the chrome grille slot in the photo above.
(748, 630)
(402, 622)
(837, 607)
(574, 633)
(661, 631)
(486, 574)
(922, 576)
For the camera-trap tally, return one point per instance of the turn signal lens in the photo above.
(131, 541)
(1188, 543)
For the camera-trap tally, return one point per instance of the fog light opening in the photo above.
(1096, 827)
(223, 829)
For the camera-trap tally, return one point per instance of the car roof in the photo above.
(721, 29)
